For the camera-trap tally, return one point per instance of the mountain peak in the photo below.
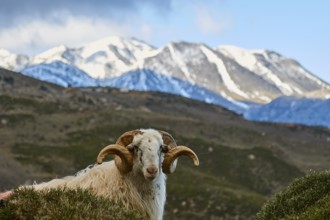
(4, 53)
(230, 71)
(111, 56)
(106, 41)
(181, 43)
(52, 52)
(237, 52)
(118, 42)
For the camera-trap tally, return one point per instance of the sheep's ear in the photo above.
(168, 139)
(127, 138)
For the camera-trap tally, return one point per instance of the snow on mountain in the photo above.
(197, 64)
(101, 59)
(147, 80)
(142, 80)
(61, 74)
(225, 75)
(12, 61)
(293, 110)
(286, 74)
(236, 73)
(111, 56)
(229, 71)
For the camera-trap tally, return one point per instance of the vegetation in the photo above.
(306, 198)
(29, 204)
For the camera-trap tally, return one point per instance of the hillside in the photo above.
(49, 131)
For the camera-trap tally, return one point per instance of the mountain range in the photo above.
(245, 81)
(293, 110)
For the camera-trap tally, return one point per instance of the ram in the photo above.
(137, 175)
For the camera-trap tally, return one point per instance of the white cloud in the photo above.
(37, 35)
(209, 22)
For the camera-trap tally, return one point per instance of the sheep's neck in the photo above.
(151, 194)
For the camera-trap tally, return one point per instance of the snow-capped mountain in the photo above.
(293, 110)
(232, 72)
(270, 75)
(289, 77)
(61, 74)
(108, 57)
(141, 80)
(13, 61)
(226, 75)
(147, 80)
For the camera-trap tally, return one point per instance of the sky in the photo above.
(294, 28)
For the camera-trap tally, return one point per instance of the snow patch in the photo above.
(229, 83)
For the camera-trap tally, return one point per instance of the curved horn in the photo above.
(127, 138)
(124, 164)
(124, 158)
(174, 153)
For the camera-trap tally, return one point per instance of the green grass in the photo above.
(68, 204)
(51, 159)
(306, 198)
(11, 103)
(258, 168)
(14, 119)
(193, 194)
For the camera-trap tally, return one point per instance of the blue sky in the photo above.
(296, 29)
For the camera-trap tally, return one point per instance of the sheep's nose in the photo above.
(152, 170)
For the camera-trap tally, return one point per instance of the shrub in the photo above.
(306, 198)
(29, 204)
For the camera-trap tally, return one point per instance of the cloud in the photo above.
(13, 10)
(38, 35)
(23, 6)
(34, 25)
(209, 22)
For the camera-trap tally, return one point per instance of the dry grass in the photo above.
(54, 204)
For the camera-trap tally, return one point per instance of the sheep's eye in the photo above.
(164, 148)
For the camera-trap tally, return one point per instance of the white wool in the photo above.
(133, 189)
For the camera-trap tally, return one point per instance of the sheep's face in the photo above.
(148, 150)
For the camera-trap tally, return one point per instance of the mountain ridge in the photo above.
(235, 78)
(226, 70)
(297, 110)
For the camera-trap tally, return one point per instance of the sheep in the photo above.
(137, 175)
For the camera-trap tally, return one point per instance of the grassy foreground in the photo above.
(29, 204)
(306, 198)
